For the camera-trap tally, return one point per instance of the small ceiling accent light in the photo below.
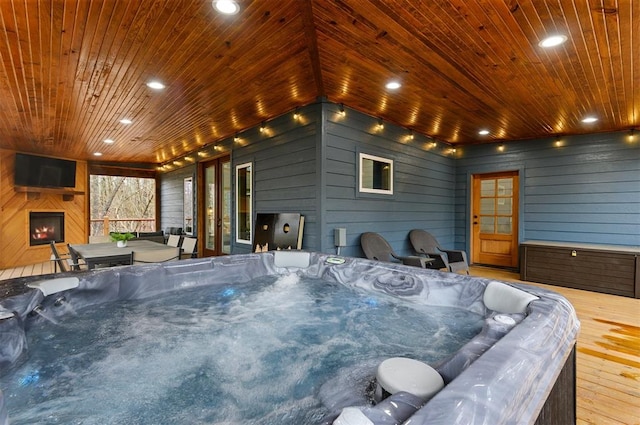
(108, 141)
(228, 7)
(558, 142)
(262, 127)
(380, 124)
(501, 147)
(125, 121)
(236, 138)
(589, 120)
(553, 40)
(632, 135)
(410, 136)
(483, 132)
(156, 85)
(393, 85)
(97, 154)
(296, 115)
(342, 111)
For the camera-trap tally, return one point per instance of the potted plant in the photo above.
(121, 238)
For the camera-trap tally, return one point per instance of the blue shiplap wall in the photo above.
(423, 188)
(587, 190)
(171, 192)
(285, 168)
(310, 165)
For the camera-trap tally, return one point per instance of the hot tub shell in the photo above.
(526, 376)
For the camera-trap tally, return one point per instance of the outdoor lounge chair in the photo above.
(375, 247)
(423, 242)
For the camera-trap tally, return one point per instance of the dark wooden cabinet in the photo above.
(601, 268)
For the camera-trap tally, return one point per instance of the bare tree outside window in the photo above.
(124, 204)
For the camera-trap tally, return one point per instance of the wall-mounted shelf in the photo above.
(33, 193)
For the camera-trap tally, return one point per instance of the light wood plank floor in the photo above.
(30, 270)
(608, 352)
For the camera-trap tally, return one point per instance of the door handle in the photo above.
(219, 222)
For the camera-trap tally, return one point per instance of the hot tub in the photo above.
(511, 372)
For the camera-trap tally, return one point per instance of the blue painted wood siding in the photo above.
(587, 190)
(285, 170)
(423, 188)
(171, 194)
(309, 166)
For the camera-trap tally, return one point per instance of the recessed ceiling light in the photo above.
(108, 141)
(228, 7)
(483, 132)
(156, 85)
(393, 85)
(97, 154)
(125, 121)
(552, 41)
(588, 120)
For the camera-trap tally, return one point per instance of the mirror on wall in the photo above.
(244, 211)
(188, 206)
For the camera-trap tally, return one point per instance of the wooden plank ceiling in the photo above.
(71, 69)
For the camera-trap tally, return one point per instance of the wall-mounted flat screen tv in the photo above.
(41, 171)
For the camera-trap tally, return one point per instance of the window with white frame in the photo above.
(244, 210)
(375, 174)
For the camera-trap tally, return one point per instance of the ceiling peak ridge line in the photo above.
(311, 37)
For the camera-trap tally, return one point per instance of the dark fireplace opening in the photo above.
(45, 227)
